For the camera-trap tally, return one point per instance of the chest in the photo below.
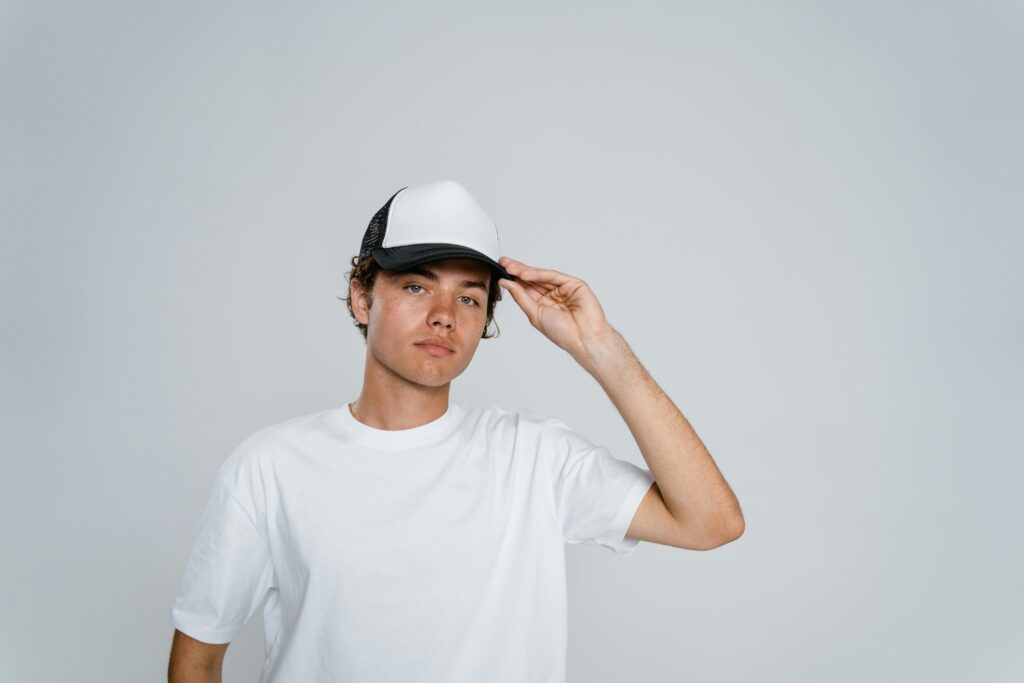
(357, 523)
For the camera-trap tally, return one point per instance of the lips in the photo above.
(437, 341)
(435, 350)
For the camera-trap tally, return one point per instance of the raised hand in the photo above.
(561, 306)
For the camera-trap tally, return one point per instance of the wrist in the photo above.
(601, 349)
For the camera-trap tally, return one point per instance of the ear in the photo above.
(361, 300)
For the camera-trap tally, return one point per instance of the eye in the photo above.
(472, 301)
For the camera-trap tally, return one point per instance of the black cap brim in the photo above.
(400, 258)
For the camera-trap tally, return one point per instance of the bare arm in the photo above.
(688, 481)
(193, 661)
(691, 490)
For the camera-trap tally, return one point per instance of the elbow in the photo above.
(736, 529)
(739, 525)
(731, 531)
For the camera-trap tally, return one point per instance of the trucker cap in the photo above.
(429, 222)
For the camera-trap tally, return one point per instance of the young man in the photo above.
(407, 537)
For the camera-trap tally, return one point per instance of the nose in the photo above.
(441, 314)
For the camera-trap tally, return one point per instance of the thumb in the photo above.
(514, 288)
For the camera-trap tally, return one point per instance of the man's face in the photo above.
(435, 299)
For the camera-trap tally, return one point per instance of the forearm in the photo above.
(694, 490)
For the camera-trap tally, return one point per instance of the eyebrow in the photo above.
(432, 276)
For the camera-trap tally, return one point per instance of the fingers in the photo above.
(536, 290)
(545, 278)
(516, 269)
(535, 287)
(525, 297)
(526, 288)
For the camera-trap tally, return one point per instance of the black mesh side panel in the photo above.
(377, 228)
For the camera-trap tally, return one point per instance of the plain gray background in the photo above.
(805, 218)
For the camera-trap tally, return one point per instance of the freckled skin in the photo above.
(402, 314)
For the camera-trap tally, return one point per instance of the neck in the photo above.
(389, 402)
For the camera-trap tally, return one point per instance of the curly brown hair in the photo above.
(365, 270)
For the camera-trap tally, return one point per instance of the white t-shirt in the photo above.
(427, 554)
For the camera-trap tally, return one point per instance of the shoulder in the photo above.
(495, 416)
(258, 451)
(530, 430)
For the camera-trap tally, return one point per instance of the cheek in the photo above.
(388, 316)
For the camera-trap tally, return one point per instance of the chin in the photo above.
(433, 379)
(415, 370)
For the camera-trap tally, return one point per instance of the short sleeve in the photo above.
(595, 494)
(228, 573)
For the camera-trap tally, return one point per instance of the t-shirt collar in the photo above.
(398, 439)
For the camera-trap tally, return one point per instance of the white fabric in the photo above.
(442, 211)
(427, 554)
